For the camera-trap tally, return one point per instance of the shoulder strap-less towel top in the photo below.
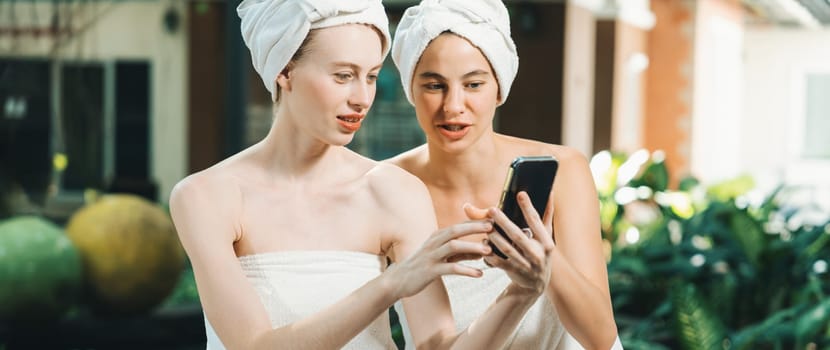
(470, 297)
(295, 284)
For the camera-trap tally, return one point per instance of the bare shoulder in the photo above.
(210, 196)
(406, 215)
(400, 196)
(574, 176)
(566, 156)
(389, 182)
(209, 184)
(412, 160)
(219, 184)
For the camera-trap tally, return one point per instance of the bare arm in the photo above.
(579, 285)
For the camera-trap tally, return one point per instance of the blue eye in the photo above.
(475, 85)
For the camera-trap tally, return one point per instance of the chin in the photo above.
(341, 140)
(453, 147)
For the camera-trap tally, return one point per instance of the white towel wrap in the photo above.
(485, 23)
(274, 29)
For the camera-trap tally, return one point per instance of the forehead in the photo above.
(356, 43)
(449, 52)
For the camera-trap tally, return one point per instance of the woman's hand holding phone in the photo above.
(529, 256)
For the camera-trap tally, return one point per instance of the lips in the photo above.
(350, 122)
(453, 131)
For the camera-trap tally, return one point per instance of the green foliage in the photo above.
(698, 328)
(703, 268)
(185, 292)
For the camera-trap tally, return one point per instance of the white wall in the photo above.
(717, 95)
(123, 30)
(578, 82)
(775, 60)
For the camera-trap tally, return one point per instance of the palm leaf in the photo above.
(811, 323)
(751, 336)
(749, 235)
(697, 326)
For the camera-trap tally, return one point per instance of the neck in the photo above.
(292, 152)
(469, 167)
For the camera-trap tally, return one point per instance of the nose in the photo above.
(454, 102)
(362, 94)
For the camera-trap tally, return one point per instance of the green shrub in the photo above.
(703, 268)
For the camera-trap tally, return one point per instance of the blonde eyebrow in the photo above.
(354, 66)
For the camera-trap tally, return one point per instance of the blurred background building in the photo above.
(132, 96)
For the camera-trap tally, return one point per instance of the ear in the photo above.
(283, 80)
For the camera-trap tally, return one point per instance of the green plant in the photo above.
(702, 268)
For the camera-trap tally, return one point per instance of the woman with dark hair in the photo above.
(457, 62)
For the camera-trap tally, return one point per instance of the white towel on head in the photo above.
(274, 29)
(485, 23)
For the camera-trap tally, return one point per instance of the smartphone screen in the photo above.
(534, 175)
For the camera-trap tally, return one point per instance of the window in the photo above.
(101, 124)
(81, 121)
(816, 117)
(809, 146)
(105, 115)
(25, 151)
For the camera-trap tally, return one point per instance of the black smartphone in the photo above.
(534, 175)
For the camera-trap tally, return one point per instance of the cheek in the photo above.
(322, 92)
(425, 111)
(373, 90)
(486, 101)
(427, 103)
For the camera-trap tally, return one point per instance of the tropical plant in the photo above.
(711, 268)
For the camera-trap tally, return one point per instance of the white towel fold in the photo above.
(485, 23)
(274, 29)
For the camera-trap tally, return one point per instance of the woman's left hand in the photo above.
(529, 256)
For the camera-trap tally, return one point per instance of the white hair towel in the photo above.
(485, 23)
(274, 29)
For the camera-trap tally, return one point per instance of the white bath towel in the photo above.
(540, 329)
(274, 29)
(295, 284)
(485, 23)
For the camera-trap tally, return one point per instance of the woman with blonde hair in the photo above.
(289, 238)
